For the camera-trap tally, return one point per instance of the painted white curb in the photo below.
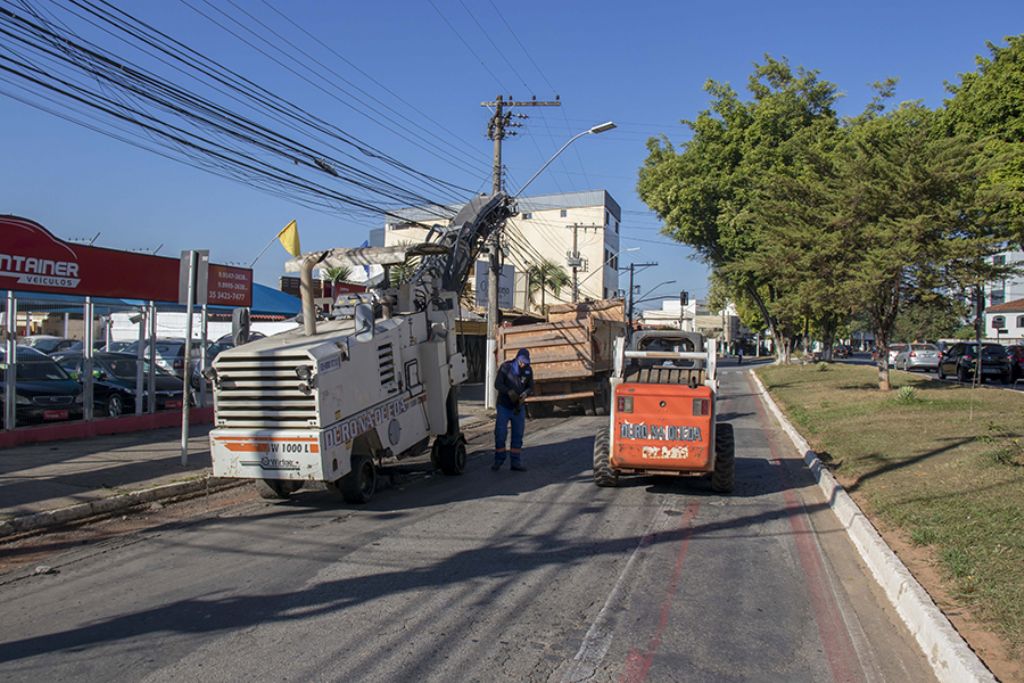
(951, 658)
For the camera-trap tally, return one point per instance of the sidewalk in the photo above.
(82, 476)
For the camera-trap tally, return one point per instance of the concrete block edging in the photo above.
(116, 503)
(950, 656)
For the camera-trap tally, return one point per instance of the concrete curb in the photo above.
(950, 656)
(118, 503)
(126, 501)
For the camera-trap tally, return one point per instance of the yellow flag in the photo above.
(289, 237)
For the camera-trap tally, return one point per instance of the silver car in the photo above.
(918, 357)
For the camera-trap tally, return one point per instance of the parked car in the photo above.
(117, 346)
(960, 361)
(45, 393)
(918, 357)
(48, 344)
(842, 351)
(212, 351)
(114, 378)
(1015, 353)
(894, 350)
(170, 354)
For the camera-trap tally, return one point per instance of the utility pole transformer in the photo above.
(497, 129)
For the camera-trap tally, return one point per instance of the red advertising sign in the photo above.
(33, 260)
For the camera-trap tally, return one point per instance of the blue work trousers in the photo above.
(518, 420)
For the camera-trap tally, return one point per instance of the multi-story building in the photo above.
(545, 227)
(1010, 289)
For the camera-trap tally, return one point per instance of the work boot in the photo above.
(518, 467)
(495, 466)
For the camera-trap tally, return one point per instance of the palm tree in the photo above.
(544, 276)
(336, 274)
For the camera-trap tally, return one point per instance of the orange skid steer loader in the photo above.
(663, 408)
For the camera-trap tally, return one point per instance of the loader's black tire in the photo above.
(604, 474)
(450, 457)
(276, 489)
(359, 485)
(724, 475)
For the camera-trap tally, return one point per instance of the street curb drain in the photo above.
(949, 655)
(113, 504)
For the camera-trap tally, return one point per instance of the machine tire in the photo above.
(115, 405)
(276, 489)
(723, 478)
(359, 485)
(602, 399)
(451, 458)
(604, 474)
(538, 410)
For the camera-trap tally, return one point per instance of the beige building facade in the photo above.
(545, 227)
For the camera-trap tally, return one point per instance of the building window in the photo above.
(999, 322)
(1020, 321)
(563, 213)
(527, 215)
(607, 218)
(998, 296)
(615, 224)
(999, 260)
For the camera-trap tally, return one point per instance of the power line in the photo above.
(468, 46)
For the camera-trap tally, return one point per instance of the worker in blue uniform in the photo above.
(513, 383)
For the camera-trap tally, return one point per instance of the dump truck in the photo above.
(373, 384)
(664, 412)
(571, 355)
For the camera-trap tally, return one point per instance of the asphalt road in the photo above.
(503, 576)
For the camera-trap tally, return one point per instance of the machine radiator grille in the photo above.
(263, 392)
(386, 360)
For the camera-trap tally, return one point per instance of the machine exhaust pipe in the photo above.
(306, 292)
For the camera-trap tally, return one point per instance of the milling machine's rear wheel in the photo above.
(276, 489)
(604, 474)
(723, 477)
(449, 457)
(358, 485)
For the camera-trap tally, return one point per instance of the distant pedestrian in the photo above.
(514, 383)
(739, 356)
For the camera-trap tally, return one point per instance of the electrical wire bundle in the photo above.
(238, 129)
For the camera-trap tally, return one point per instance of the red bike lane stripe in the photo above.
(835, 638)
(639, 662)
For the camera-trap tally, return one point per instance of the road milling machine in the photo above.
(375, 382)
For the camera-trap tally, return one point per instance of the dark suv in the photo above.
(44, 391)
(114, 382)
(960, 361)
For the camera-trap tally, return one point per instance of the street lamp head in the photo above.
(632, 249)
(602, 127)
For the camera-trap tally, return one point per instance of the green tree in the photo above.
(705, 192)
(544, 276)
(986, 107)
(929, 318)
(336, 274)
(920, 211)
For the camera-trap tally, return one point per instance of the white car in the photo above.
(894, 350)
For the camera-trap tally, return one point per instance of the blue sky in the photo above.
(641, 64)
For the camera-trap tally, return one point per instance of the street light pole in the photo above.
(632, 273)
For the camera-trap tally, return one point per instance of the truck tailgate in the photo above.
(665, 427)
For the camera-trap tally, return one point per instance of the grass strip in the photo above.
(942, 464)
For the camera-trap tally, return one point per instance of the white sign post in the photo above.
(191, 286)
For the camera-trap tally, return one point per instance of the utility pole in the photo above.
(497, 127)
(573, 259)
(632, 288)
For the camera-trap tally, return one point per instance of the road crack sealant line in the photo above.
(951, 658)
